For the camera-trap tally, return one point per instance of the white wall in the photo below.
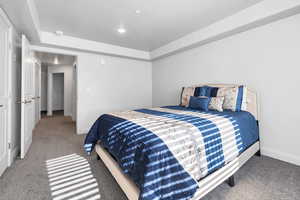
(68, 81)
(266, 59)
(116, 84)
(58, 91)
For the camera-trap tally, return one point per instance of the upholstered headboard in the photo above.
(252, 102)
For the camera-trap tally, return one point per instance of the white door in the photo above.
(3, 96)
(37, 98)
(27, 95)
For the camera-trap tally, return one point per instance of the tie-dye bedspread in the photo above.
(166, 150)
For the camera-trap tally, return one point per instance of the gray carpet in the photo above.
(261, 178)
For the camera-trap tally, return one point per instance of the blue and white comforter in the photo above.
(165, 150)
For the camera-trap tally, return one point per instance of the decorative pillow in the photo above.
(187, 92)
(200, 91)
(214, 91)
(235, 97)
(216, 103)
(199, 103)
(242, 98)
(230, 95)
(206, 91)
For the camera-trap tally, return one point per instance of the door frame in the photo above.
(76, 54)
(9, 84)
(50, 90)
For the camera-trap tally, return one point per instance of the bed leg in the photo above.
(258, 153)
(98, 157)
(230, 181)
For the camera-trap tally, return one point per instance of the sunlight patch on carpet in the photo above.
(71, 178)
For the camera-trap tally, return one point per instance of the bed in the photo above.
(174, 152)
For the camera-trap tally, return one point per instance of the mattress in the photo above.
(167, 150)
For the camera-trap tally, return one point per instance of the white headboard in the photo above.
(252, 104)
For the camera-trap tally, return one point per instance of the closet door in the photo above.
(3, 96)
(27, 96)
(37, 98)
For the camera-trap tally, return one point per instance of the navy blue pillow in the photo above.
(213, 91)
(200, 91)
(199, 103)
(206, 91)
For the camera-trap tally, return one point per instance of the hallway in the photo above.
(53, 137)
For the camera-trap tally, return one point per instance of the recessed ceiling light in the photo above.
(102, 61)
(138, 11)
(121, 30)
(59, 33)
(56, 60)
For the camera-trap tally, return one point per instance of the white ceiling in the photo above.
(20, 14)
(160, 21)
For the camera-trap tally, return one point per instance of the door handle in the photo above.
(29, 101)
(1, 106)
(25, 102)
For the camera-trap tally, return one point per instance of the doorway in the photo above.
(58, 84)
(41, 74)
(58, 94)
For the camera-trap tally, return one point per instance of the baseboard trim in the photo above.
(82, 133)
(13, 155)
(286, 157)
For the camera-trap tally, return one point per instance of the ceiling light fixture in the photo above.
(55, 60)
(138, 11)
(102, 61)
(121, 30)
(59, 33)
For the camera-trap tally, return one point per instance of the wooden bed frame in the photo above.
(206, 184)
